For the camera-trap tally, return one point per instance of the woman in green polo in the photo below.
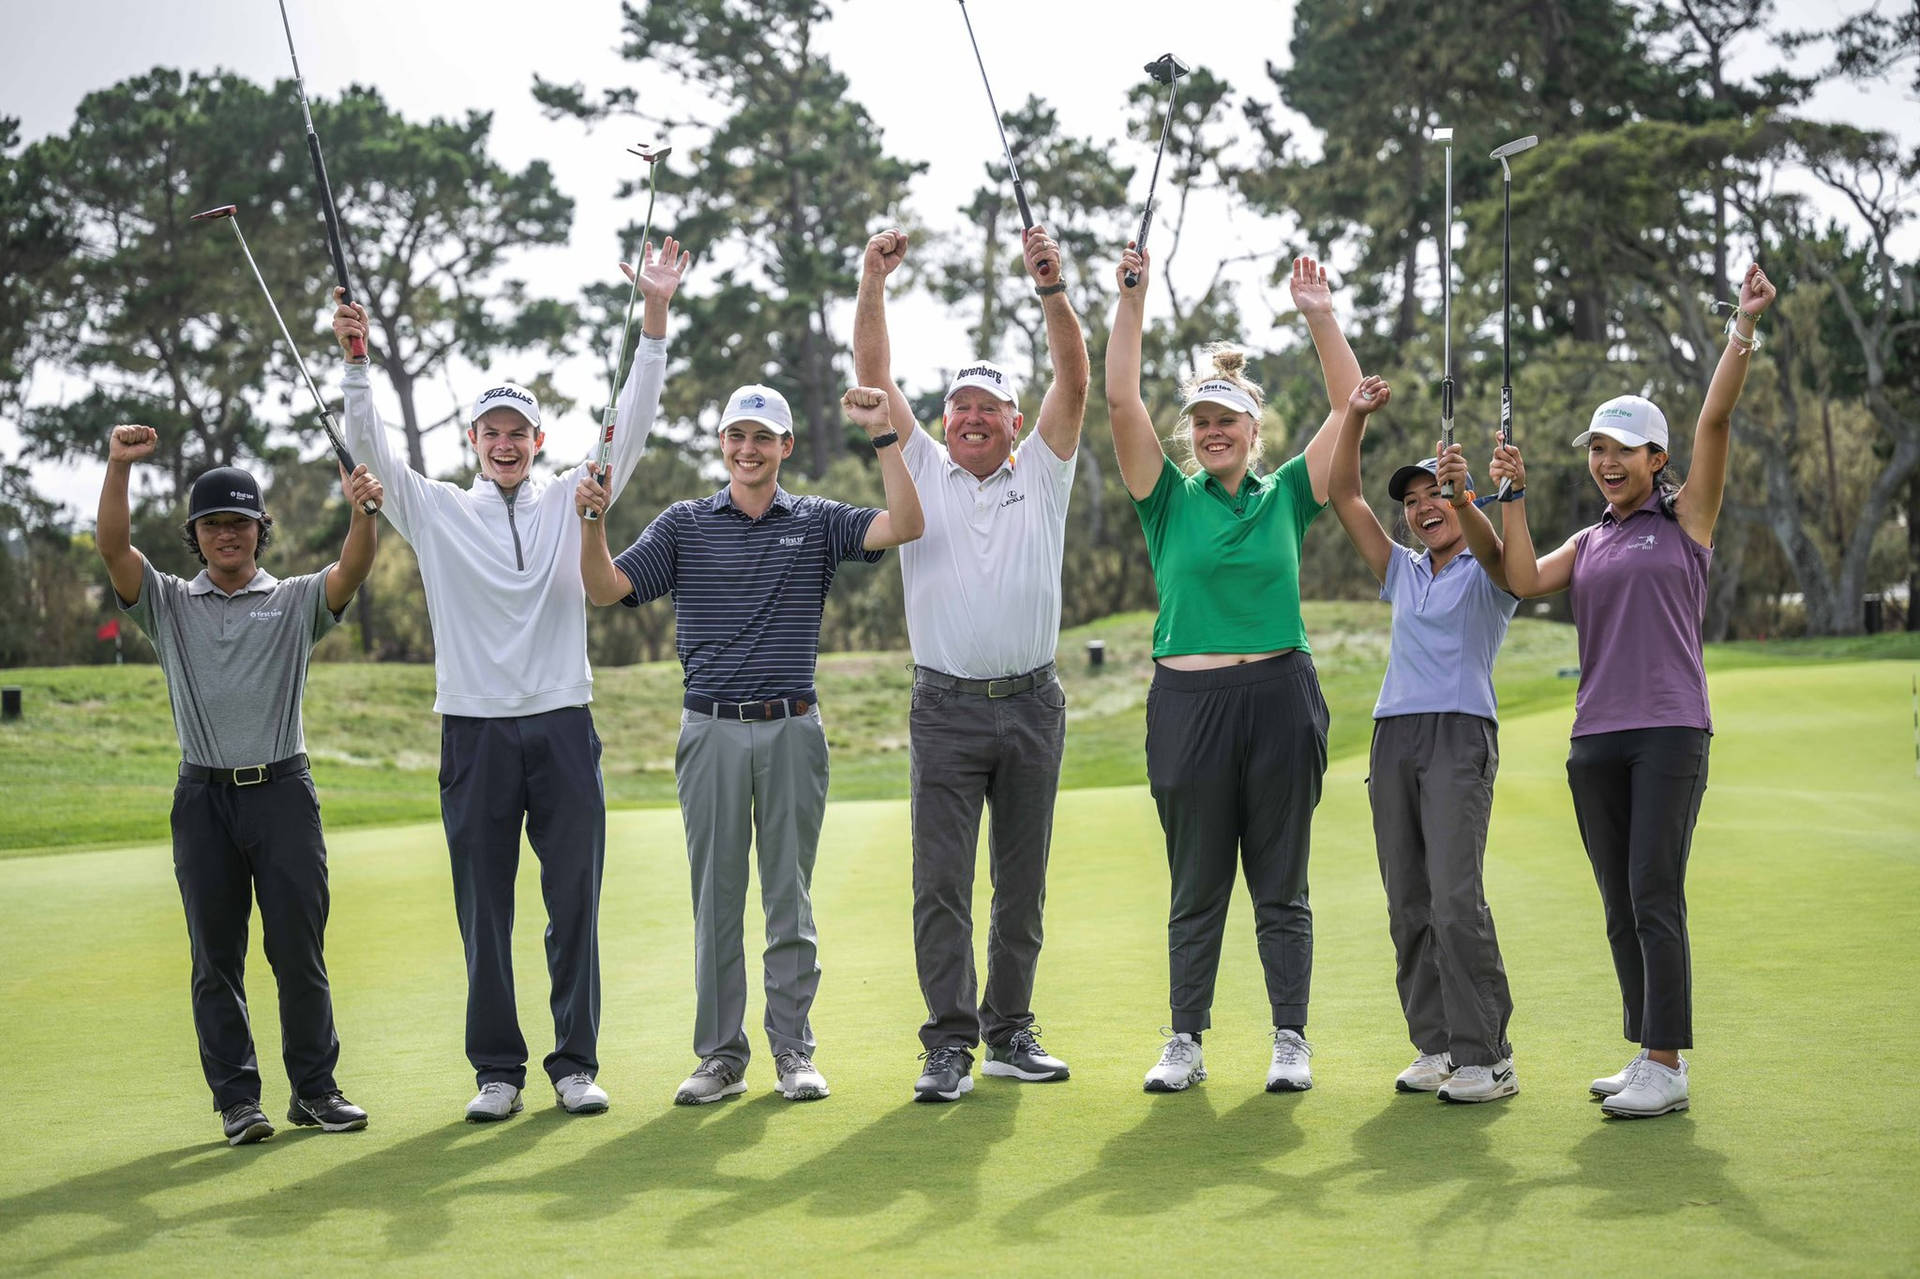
(1236, 726)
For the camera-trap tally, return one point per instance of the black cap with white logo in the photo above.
(225, 488)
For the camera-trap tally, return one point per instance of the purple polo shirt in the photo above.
(1639, 596)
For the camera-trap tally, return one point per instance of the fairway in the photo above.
(1798, 1156)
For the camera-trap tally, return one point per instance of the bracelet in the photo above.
(362, 360)
(1512, 495)
(881, 441)
(1744, 344)
(1048, 290)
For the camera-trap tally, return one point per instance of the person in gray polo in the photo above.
(234, 643)
(988, 719)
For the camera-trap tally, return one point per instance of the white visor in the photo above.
(1222, 392)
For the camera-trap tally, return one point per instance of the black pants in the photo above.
(1637, 794)
(493, 773)
(229, 844)
(1235, 758)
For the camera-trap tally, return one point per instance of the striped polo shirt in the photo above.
(747, 593)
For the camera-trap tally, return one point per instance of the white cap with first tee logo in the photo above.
(1219, 391)
(1631, 419)
(987, 376)
(507, 395)
(762, 404)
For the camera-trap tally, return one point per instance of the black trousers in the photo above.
(495, 773)
(231, 843)
(1637, 795)
(1235, 757)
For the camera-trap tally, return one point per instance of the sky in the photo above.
(917, 80)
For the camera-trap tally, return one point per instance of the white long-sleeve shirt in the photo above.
(504, 596)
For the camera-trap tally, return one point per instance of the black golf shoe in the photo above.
(947, 1076)
(1021, 1057)
(245, 1123)
(330, 1112)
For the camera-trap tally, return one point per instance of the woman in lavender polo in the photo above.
(1638, 765)
(1435, 751)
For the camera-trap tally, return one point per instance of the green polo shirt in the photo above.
(1227, 566)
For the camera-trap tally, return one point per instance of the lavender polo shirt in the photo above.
(1639, 597)
(1447, 628)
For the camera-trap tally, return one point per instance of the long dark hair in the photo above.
(192, 540)
(1667, 484)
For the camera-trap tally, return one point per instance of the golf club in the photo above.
(356, 347)
(1019, 191)
(1167, 70)
(1501, 153)
(229, 214)
(1445, 138)
(653, 156)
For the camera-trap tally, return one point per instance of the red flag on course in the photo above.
(109, 629)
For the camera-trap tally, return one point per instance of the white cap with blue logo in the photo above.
(762, 404)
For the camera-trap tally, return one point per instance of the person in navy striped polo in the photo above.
(749, 569)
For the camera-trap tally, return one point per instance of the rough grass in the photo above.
(1796, 1159)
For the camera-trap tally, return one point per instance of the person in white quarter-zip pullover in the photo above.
(501, 564)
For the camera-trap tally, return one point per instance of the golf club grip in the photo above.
(356, 346)
(1140, 244)
(602, 457)
(1026, 214)
(1506, 430)
(344, 457)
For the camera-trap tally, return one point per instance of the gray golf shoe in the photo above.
(712, 1080)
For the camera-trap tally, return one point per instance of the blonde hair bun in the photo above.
(1229, 361)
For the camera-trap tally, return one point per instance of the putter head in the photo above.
(1515, 147)
(1443, 135)
(1167, 68)
(650, 153)
(214, 215)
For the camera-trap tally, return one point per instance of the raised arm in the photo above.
(1135, 445)
(872, 348)
(639, 403)
(1698, 506)
(1338, 367)
(604, 581)
(1349, 502)
(868, 408)
(1474, 524)
(363, 532)
(1528, 576)
(1064, 408)
(366, 434)
(113, 532)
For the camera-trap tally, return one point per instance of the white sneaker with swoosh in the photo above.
(1481, 1083)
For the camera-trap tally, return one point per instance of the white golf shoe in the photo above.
(1426, 1074)
(1179, 1066)
(579, 1095)
(1289, 1071)
(494, 1101)
(1608, 1085)
(796, 1077)
(1481, 1083)
(1652, 1089)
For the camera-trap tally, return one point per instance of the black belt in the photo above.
(775, 708)
(250, 775)
(1006, 686)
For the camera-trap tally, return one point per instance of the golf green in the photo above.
(1797, 1157)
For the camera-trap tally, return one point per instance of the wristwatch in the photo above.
(881, 441)
(1048, 290)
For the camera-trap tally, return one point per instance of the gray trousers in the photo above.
(1004, 752)
(1431, 783)
(759, 785)
(1235, 757)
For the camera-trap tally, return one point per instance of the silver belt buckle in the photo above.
(259, 771)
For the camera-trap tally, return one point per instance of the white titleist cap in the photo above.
(990, 378)
(1631, 419)
(1216, 390)
(762, 404)
(507, 395)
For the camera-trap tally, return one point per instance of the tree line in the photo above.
(1661, 171)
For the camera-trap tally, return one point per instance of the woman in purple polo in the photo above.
(1638, 764)
(1434, 755)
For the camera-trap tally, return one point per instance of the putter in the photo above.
(229, 213)
(1167, 70)
(653, 156)
(1445, 138)
(356, 347)
(1501, 153)
(1019, 191)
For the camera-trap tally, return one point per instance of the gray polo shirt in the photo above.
(236, 664)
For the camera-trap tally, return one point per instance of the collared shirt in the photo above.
(1639, 596)
(1227, 565)
(747, 593)
(1447, 629)
(983, 583)
(236, 665)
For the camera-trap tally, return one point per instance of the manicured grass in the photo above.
(1797, 1157)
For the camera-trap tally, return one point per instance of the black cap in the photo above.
(225, 488)
(1428, 468)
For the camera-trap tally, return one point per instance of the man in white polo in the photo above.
(988, 720)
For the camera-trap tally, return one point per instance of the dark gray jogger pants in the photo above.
(1431, 784)
(1004, 752)
(1235, 758)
